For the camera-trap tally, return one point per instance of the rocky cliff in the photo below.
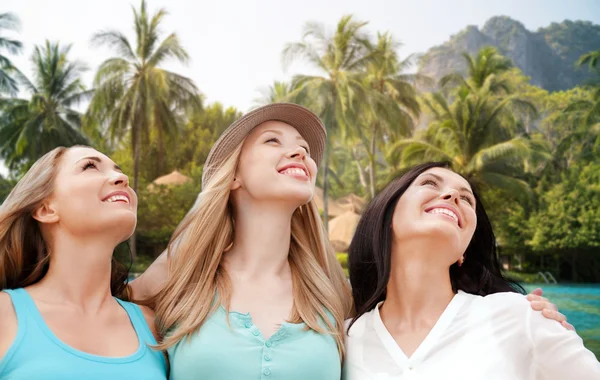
(547, 55)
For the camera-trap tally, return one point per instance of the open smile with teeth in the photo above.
(444, 211)
(117, 198)
(294, 171)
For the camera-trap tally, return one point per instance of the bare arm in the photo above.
(152, 280)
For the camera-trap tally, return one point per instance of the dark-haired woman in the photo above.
(59, 318)
(431, 301)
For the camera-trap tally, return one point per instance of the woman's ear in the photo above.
(46, 213)
(235, 184)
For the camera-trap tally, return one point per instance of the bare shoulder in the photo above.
(149, 316)
(8, 323)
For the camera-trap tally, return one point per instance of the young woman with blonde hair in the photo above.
(250, 287)
(252, 280)
(59, 315)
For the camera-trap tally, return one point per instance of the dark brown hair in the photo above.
(369, 255)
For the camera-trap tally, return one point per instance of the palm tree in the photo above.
(391, 105)
(477, 131)
(592, 59)
(134, 95)
(489, 68)
(276, 93)
(337, 56)
(584, 114)
(8, 85)
(31, 127)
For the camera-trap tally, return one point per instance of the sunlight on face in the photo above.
(438, 205)
(92, 195)
(275, 164)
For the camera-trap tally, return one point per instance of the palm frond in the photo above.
(115, 40)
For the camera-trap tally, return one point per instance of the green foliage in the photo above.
(343, 259)
(8, 84)
(160, 210)
(29, 128)
(5, 188)
(534, 154)
(134, 95)
(568, 217)
(475, 126)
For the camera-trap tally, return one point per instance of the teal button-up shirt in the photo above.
(238, 351)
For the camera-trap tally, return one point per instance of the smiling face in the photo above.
(438, 205)
(91, 196)
(275, 165)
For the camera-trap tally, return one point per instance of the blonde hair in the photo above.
(196, 277)
(24, 254)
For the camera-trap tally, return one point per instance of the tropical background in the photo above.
(514, 110)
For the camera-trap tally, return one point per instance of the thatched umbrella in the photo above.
(341, 230)
(334, 209)
(172, 179)
(352, 202)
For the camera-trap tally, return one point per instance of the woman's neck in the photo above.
(418, 291)
(262, 241)
(79, 272)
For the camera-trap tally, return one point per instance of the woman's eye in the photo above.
(89, 165)
(305, 148)
(467, 199)
(273, 139)
(429, 182)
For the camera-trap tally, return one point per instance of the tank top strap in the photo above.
(138, 321)
(20, 300)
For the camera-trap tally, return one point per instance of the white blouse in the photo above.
(492, 338)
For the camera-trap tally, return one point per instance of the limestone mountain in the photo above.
(547, 55)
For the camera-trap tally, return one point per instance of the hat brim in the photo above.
(302, 119)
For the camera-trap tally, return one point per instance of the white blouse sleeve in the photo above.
(559, 353)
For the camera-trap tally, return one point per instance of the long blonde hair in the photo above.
(24, 254)
(196, 275)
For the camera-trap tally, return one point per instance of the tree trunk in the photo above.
(136, 167)
(361, 172)
(325, 166)
(372, 169)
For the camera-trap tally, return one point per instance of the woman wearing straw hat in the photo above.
(253, 288)
(253, 281)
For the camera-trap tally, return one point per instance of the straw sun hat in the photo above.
(306, 122)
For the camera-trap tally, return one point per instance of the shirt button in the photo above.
(255, 333)
(248, 324)
(268, 358)
(268, 344)
(267, 372)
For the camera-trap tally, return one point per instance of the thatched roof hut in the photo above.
(341, 230)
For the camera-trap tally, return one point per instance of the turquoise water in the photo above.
(581, 304)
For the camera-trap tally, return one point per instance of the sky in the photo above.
(235, 46)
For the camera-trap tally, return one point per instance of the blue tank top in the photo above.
(36, 353)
